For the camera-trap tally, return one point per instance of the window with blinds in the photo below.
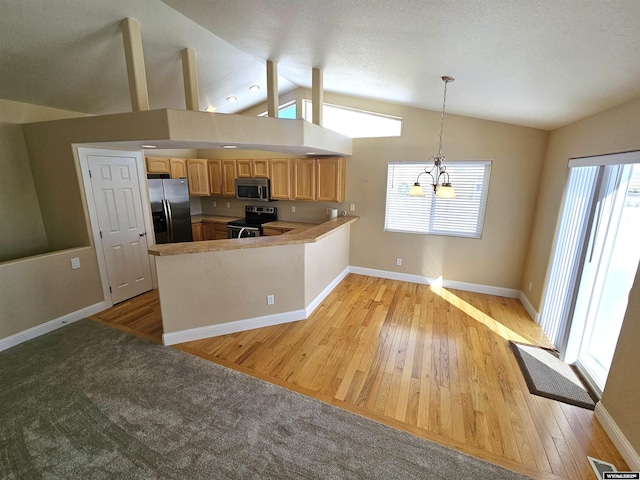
(462, 216)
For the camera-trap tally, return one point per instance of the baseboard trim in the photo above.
(329, 288)
(232, 327)
(617, 437)
(38, 330)
(535, 316)
(468, 287)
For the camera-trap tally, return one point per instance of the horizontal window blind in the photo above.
(462, 216)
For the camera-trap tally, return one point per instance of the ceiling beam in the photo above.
(317, 95)
(272, 89)
(190, 75)
(135, 64)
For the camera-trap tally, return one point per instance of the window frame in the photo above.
(461, 217)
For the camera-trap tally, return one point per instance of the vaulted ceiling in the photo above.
(542, 63)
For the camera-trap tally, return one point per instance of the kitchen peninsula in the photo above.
(217, 287)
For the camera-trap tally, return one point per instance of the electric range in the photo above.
(251, 224)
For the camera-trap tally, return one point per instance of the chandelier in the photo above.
(438, 172)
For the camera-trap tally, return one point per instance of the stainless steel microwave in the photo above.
(253, 189)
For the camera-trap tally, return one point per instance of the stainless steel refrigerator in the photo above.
(170, 209)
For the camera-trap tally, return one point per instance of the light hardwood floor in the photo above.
(433, 362)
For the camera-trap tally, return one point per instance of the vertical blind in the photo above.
(570, 238)
(462, 216)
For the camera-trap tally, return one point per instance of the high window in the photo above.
(355, 123)
(462, 216)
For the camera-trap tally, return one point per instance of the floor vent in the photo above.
(599, 467)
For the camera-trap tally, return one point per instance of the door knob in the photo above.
(142, 234)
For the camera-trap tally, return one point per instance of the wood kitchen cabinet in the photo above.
(215, 177)
(244, 169)
(229, 174)
(175, 167)
(318, 179)
(197, 232)
(178, 167)
(252, 168)
(304, 179)
(280, 175)
(215, 231)
(157, 165)
(198, 176)
(330, 177)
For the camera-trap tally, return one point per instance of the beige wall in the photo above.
(498, 258)
(621, 395)
(38, 289)
(615, 130)
(204, 289)
(56, 172)
(21, 224)
(324, 261)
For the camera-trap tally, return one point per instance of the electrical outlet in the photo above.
(293, 209)
(228, 204)
(530, 285)
(75, 263)
(270, 300)
(352, 207)
(398, 261)
(215, 204)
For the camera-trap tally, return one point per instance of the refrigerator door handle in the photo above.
(167, 212)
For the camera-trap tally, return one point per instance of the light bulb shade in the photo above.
(416, 191)
(446, 191)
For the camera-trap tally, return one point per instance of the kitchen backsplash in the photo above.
(304, 211)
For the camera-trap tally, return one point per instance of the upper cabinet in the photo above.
(215, 177)
(252, 168)
(178, 167)
(157, 165)
(175, 167)
(304, 179)
(229, 175)
(198, 176)
(313, 179)
(330, 176)
(280, 175)
(317, 179)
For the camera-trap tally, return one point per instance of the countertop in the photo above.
(306, 235)
(213, 218)
(289, 225)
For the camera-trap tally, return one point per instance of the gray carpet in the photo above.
(548, 376)
(88, 401)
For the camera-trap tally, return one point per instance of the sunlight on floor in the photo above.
(478, 315)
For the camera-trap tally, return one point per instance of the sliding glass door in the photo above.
(609, 269)
(594, 262)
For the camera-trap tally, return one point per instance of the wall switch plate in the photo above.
(75, 263)
(293, 209)
(214, 204)
(352, 207)
(228, 204)
(270, 300)
(398, 261)
(530, 285)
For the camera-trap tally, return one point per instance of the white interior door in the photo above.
(119, 211)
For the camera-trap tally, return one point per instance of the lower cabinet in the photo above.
(197, 232)
(209, 231)
(215, 231)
